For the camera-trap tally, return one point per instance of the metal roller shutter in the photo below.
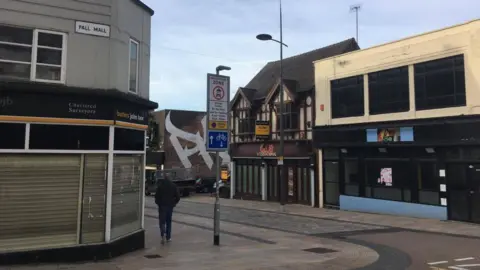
(39, 200)
(126, 194)
(93, 201)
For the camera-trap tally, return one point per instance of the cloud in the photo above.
(191, 37)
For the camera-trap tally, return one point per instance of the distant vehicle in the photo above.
(182, 177)
(204, 185)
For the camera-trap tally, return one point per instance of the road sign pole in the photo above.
(217, 133)
(216, 214)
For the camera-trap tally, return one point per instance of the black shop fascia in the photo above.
(63, 117)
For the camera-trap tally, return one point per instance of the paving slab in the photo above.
(407, 223)
(242, 247)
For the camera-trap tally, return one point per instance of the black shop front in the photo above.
(422, 168)
(257, 176)
(71, 172)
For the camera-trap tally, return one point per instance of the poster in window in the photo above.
(290, 181)
(386, 177)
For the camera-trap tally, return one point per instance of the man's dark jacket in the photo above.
(167, 194)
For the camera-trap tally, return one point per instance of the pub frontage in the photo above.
(71, 172)
(256, 175)
(423, 168)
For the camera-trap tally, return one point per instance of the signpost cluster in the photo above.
(217, 132)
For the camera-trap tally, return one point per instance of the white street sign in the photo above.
(218, 96)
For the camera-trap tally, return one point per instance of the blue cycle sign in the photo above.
(218, 140)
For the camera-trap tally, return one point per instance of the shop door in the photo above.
(464, 192)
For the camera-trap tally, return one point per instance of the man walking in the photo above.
(166, 197)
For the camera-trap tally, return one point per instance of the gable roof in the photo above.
(298, 68)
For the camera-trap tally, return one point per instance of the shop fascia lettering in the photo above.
(130, 116)
(5, 102)
(82, 108)
(267, 151)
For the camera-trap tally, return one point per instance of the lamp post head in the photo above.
(220, 68)
(264, 37)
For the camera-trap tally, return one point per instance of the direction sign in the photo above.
(218, 97)
(217, 140)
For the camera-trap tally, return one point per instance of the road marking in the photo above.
(464, 259)
(435, 263)
(460, 267)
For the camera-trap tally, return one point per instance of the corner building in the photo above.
(74, 104)
(400, 128)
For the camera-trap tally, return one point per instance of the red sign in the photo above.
(267, 150)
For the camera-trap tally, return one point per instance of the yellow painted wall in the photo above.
(460, 39)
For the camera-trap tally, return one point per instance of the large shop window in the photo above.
(68, 137)
(440, 83)
(39, 201)
(428, 182)
(347, 97)
(36, 55)
(388, 91)
(388, 179)
(352, 177)
(127, 194)
(129, 139)
(13, 135)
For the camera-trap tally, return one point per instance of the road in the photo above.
(397, 248)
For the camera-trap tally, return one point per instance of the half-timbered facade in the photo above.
(255, 173)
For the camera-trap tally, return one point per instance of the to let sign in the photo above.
(262, 129)
(218, 97)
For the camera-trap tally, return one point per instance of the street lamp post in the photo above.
(216, 210)
(283, 183)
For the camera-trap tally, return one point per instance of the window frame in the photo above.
(35, 47)
(420, 75)
(359, 84)
(291, 115)
(377, 81)
(137, 65)
(34, 52)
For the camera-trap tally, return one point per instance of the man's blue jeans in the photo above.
(165, 221)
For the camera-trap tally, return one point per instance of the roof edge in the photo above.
(144, 6)
(402, 39)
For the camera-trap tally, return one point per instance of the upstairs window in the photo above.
(388, 91)
(133, 68)
(347, 97)
(290, 116)
(29, 54)
(440, 83)
(246, 122)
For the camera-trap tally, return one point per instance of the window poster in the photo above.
(386, 177)
(290, 181)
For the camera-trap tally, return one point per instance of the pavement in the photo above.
(259, 235)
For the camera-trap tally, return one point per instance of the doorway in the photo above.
(464, 192)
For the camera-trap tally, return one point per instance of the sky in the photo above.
(192, 37)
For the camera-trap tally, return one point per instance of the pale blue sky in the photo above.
(191, 37)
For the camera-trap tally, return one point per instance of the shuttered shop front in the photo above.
(39, 201)
(126, 194)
